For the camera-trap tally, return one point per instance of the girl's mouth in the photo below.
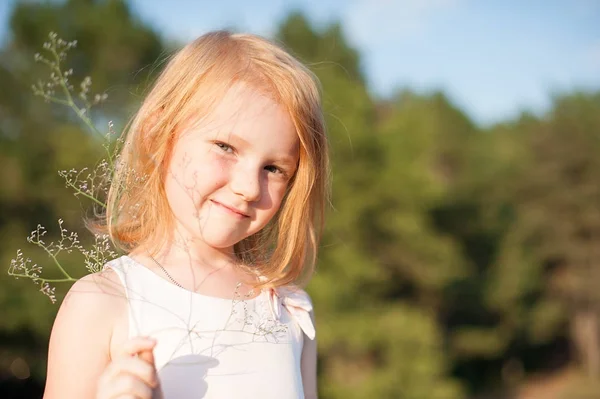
(230, 209)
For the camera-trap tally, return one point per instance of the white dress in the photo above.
(210, 347)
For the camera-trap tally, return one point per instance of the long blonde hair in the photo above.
(195, 79)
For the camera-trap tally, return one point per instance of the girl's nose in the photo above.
(245, 182)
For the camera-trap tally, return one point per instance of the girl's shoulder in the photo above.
(93, 303)
(99, 290)
(94, 306)
(82, 334)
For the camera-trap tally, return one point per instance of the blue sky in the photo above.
(493, 58)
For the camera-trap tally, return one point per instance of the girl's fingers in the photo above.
(135, 367)
(124, 385)
(132, 373)
(147, 356)
(128, 386)
(136, 345)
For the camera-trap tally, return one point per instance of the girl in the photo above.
(218, 202)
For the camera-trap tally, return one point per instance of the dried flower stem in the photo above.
(96, 181)
(58, 48)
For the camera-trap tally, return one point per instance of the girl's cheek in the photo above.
(211, 169)
(276, 193)
(219, 164)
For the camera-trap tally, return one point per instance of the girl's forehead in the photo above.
(244, 98)
(244, 105)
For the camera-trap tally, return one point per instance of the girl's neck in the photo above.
(195, 254)
(194, 265)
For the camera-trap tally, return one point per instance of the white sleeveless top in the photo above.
(209, 347)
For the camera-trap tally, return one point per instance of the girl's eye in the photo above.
(274, 169)
(224, 147)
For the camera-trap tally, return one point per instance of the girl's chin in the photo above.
(221, 241)
(218, 234)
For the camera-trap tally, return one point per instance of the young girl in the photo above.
(218, 201)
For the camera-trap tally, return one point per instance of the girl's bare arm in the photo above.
(308, 365)
(80, 341)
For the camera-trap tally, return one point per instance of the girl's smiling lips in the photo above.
(230, 208)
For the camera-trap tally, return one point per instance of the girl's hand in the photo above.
(132, 374)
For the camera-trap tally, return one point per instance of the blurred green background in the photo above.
(461, 259)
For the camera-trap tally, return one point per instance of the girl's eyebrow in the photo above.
(286, 160)
(235, 137)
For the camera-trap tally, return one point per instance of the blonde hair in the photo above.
(195, 79)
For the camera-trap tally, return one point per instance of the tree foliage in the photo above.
(456, 261)
(38, 139)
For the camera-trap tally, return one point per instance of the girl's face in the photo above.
(227, 177)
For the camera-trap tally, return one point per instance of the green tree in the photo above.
(547, 268)
(374, 340)
(451, 253)
(476, 212)
(38, 139)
